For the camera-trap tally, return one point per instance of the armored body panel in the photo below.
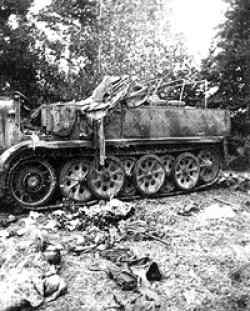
(156, 123)
(141, 123)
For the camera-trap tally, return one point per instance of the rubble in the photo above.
(153, 273)
(6, 221)
(27, 278)
(124, 279)
(131, 273)
(52, 254)
(241, 274)
(236, 181)
(144, 255)
(188, 208)
(100, 215)
(100, 229)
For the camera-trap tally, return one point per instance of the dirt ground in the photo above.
(202, 253)
(197, 264)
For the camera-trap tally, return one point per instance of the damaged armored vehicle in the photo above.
(123, 141)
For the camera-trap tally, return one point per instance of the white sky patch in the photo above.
(198, 19)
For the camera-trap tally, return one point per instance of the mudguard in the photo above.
(13, 151)
(34, 143)
(5, 160)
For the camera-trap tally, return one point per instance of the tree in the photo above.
(73, 55)
(137, 39)
(228, 65)
(18, 61)
(89, 39)
(113, 37)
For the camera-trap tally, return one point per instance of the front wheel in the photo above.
(32, 183)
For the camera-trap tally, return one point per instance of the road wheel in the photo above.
(209, 164)
(73, 180)
(107, 181)
(149, 175)
(186, 171)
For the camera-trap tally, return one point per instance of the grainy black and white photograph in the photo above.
(125, 155)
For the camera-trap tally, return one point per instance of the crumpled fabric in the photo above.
(19, 287)
(23, 273)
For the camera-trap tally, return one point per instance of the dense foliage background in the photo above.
(63, 51)
(228, 64)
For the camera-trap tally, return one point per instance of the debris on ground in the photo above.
(98, 230)
(144, 255)
(124, 278)
(126, 258)
(241, 274)
(236, 181)
(188, 208)
(100, 215)
(28, 275)
(131, 273)
(246, 204)
(153, 272)
(6, 221)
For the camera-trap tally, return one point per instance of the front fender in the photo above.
(5, 159)
(13, 151)
(33, 142)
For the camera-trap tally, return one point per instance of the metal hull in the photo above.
(166, 123)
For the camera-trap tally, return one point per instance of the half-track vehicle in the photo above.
(123, 141)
